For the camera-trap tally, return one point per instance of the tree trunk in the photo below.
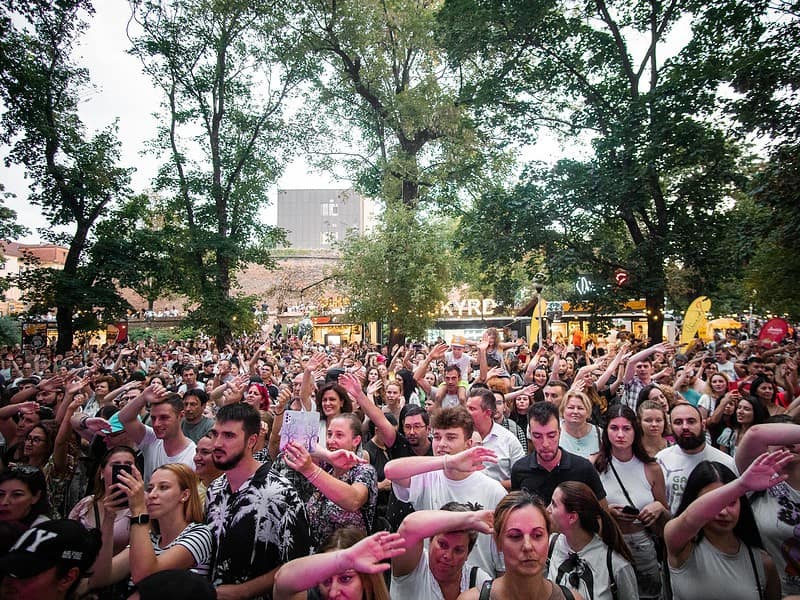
(65, 306)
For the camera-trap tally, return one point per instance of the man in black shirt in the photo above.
(548, 465)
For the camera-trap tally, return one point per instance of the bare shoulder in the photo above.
(470, 594)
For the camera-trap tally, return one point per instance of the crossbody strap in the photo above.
(619, 481)
(755, 572)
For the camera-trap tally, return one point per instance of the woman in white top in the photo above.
(713, 544)
(589, 553)
(635, 492)
(578, 435)
(175, 538)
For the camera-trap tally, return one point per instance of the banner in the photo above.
(117, 333)
(694, 321)
(34, 335)
(774, 330)
(539, 313)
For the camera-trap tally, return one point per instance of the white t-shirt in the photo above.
(678, 465)
(464, 364)
(154, 454)
(420, 583)
(431, 491)
(777, 513)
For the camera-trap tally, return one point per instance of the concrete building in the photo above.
(319, 219)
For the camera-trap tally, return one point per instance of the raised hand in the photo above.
(765, 471)
(367, 556)
(344, 459)
(470, 460)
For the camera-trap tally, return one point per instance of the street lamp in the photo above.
(538, 285)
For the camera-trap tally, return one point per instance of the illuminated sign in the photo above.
(470, 307)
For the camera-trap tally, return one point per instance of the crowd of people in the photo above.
(470, 470)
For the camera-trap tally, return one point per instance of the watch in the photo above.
(142, 519)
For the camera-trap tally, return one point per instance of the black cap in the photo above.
(49, 544)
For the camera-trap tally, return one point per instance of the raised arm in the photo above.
(759, 438)
(423, 524)
(401, 470)
(419, 373)
(621, 355)
(763, 473)
(639, 357)
(129, 415)
(307, 388)
(367, 556)
(350, 497)
(353, 386)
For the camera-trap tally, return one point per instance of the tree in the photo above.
(768, 79)
(395, 115)
(397, 274)
(134, 244)
(661, 164)
(74, 176)
(226, 70)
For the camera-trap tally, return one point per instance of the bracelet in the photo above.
(83, 422)
(278, 414)
(315, 475)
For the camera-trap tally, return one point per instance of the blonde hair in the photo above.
(187, 480)
(587, 404)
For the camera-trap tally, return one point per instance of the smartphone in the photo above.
(630, 510)
(115, 471)
(733, 386)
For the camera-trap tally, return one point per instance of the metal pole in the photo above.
(539, 316)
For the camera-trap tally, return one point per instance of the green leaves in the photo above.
(398, 273)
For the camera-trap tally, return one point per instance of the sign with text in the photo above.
(469, 307)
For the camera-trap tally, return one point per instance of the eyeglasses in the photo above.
(34, 440)
(416, 427)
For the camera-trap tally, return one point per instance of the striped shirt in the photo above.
(197, 539)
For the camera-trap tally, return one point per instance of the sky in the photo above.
(121, 91)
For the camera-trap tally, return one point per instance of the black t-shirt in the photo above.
(397, 510)
(526, 474)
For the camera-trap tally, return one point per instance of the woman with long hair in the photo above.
(521, 533)
(167, 526)
(636, 494)
(715, 391)
(654, 423)
(589, 552)
(654, 393)
(23, 497)
(91, 510)
(349, 566)
(766, 391)
(374, 386)
(39, 444)
(713, 540)
(749, 411)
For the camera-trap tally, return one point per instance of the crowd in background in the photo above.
(490, 468)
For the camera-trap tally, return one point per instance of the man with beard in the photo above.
(679, 461)
(256, 515)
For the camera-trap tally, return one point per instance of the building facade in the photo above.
(319, 219)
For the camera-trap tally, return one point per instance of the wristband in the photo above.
(83, 422)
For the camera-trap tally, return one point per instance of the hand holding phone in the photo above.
(115, 480)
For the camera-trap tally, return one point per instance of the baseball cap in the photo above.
(176, 584)
(49, 544)
(458, 340)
